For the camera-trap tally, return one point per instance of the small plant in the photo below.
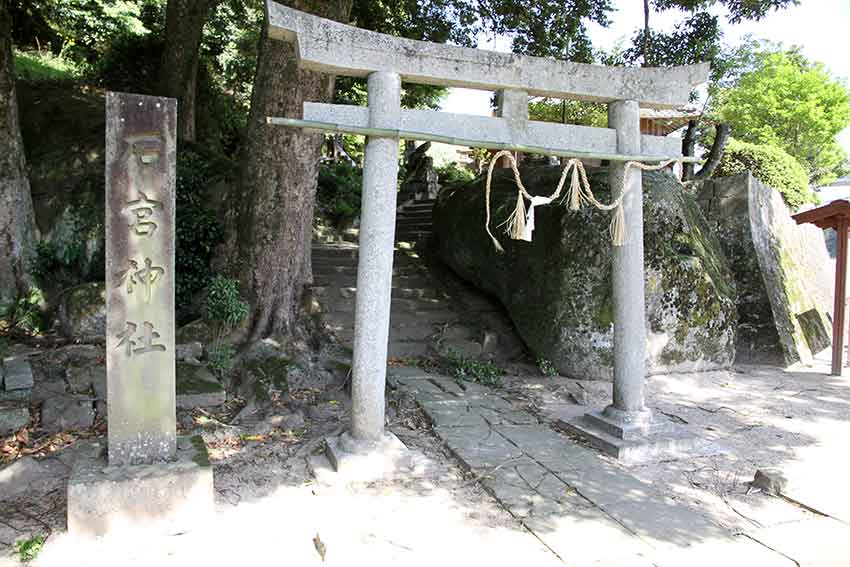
(24, 313)
(546, 367)
(452, 174)
(28, 549)
(220, 359)
(338, 192)
(224, 309)
(482, 372)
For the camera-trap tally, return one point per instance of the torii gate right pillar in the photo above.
(627, 277)
(627, 429)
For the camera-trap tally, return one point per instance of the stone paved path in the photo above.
(584, 508)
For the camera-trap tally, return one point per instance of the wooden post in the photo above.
(840, 292)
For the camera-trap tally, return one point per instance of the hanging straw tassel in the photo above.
(618, 226)
(516, 222)
(576, 196)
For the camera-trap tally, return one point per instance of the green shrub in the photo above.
(198, 230)
(466, 369)
(25, 313)
(546, 367)
(130, 64)
(28, 549)
(225, 310)
(44, 66)
(453, 174)
(338, 192)
(772, 166)
(224, 305)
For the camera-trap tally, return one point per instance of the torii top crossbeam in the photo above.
(339, 49)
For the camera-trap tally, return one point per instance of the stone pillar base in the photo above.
(636, 437)
(365, 461)
(163, 498)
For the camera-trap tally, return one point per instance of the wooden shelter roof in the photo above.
(826, 216)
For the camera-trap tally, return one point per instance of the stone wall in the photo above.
(782, 271)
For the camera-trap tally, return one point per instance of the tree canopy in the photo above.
(794, 104)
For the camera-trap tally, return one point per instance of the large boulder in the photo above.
(82, 311)
(557, 289)
(783, 272)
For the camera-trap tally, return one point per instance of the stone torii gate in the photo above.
(334, 48)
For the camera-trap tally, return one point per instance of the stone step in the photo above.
(327, 270)
(342, 254)
(349, 292)
(350, 280)
(416, 236)
(399, 304)
(407, 350)
(399, 259)
(422, 216)
(342, 320)
(420, 204)
(406, 334)
(414, 225)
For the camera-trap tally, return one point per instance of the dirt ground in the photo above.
(269, 509)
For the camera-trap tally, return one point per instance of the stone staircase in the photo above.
(423, 316)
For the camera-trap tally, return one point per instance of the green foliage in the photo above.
(55, 263)
(794, 104)
(80, 30)
(25, 313)
(28, 549)
(220, 359)
(223, 304)
(465, 369)
(568, 112)
(772, 166)
(546, 367)
(44, 66)
(451, 173)
(198, 231)
(130, 63)
(338, 192)
(225, 309)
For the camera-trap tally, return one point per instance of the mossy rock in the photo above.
(269, 375)
(198, 387)
(197, 331)
(557, 289)
(782, 271)
(82, 310)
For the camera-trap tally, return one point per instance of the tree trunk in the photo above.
(647, 37)
(17, 221)
(270, 227)
(184, 25)
(688, 147)
(715, 154)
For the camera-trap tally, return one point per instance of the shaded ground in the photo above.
(520, 492)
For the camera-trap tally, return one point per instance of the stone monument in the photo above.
(150, 478)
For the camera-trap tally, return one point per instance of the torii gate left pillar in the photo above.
(368, 451)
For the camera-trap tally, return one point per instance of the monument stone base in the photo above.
(635, 439)
(162, 498)
(365, 461)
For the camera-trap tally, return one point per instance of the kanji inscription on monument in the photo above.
(140, 181)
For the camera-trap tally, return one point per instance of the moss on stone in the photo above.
(557, 289)
(195, 379)
(200, 457)
(273, 370)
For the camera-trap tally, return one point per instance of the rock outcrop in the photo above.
(82, 311)
(782, 271)
(557, 289)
